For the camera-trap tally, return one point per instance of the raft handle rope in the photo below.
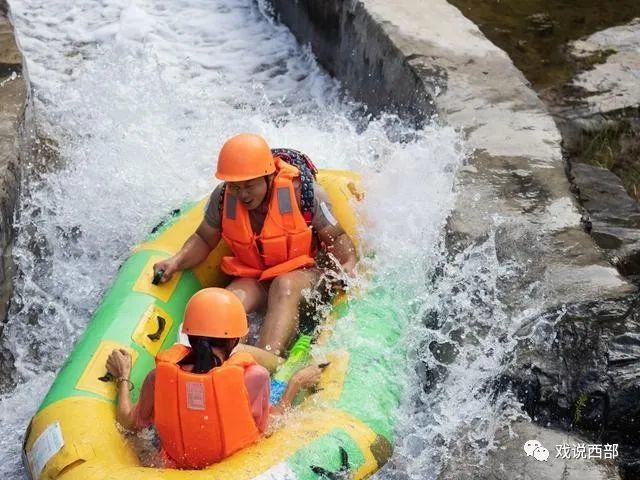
(172, 215)
(154, 337)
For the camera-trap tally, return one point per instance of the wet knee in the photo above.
(285, 286)
(248, 293)
(240, 293)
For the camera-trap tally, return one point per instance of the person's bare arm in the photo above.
(268, 360)
(338, 244)
(194, 251)
(119, 365)
(125, 408)
(304, 378)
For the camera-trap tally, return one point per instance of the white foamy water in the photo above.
(464, 338)
(139, 96)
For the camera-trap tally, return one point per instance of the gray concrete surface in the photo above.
(515, 176)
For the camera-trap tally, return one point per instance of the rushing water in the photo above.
(139, 96)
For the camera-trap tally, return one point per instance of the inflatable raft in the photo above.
(346, 425)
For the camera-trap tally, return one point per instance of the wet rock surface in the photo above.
(511, 462)
(578, 368)
(598, 109)
(600, 122)
(614, 217)
(13, 100)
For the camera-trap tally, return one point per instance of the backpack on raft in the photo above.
(308, 172)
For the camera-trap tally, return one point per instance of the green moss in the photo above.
(598, 57)
(615, 147)
(579, 407)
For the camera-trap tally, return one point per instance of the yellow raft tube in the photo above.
(346, 425)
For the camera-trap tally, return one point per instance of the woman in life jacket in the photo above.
(275, 219)
(205, 401)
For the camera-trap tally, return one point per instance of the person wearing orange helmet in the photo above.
(276, 220)
(206, 401)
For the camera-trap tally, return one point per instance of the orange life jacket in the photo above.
(202, 418)
(285, 242)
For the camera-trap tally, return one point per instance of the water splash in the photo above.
(139, 96)
(464, 340)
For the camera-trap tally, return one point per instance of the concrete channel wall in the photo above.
(418, 57)
(375, 70)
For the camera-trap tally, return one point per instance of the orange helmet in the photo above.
(244, 157)
(215, 312)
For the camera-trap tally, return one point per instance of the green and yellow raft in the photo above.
(74, 436)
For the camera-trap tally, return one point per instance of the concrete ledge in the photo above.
(515, 182)
(514, 185)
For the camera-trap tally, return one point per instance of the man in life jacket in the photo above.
(264, 213)
(205, 401)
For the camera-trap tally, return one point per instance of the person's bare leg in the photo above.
(252, 295)
(281, 319)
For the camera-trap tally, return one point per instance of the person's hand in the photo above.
(119, 363)
(169, 266)
(307, 377)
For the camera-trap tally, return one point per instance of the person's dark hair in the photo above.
(202, 357)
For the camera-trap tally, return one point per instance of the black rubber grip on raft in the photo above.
(173, 214)
(107, 377)
(154, 337)
(341, 474)
(157, 277)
